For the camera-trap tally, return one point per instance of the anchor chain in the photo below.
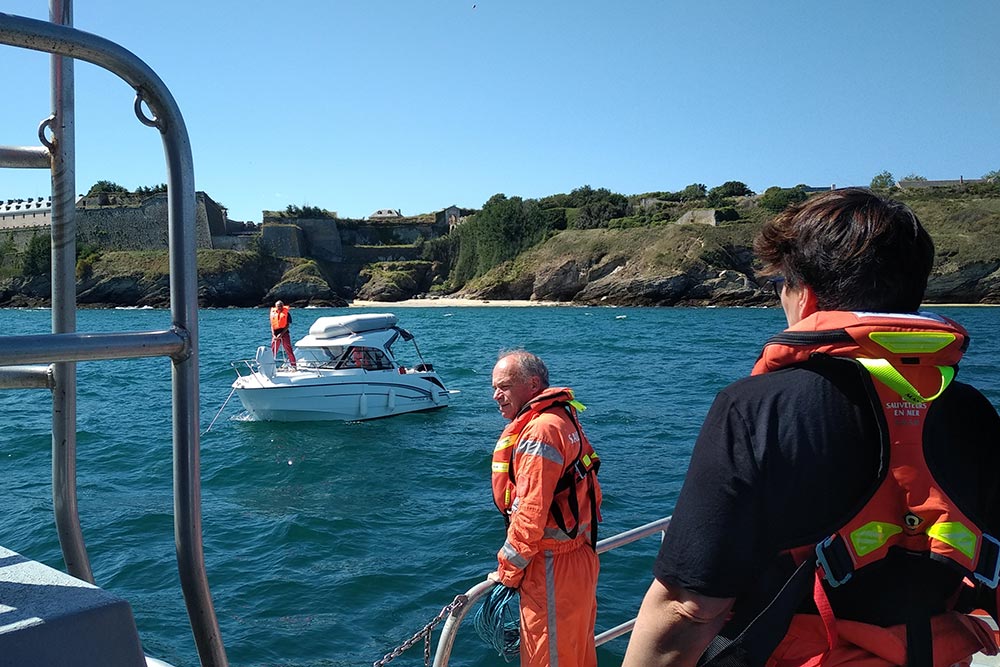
(425, 632)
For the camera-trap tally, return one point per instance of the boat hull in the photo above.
(295, 397)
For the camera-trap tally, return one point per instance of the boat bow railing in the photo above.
(449, 630)
(57, 352)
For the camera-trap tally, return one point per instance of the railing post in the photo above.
(63, 166)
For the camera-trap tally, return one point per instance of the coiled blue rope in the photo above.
(498, 622)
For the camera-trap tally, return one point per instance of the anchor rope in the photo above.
(220, 411)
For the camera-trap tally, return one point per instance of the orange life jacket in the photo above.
(279, 318)
(912, 359)
(582, 470)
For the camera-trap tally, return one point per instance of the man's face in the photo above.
(510, 390)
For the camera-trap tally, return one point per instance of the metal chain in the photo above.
(425, 632)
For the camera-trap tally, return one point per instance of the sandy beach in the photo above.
(447, 302)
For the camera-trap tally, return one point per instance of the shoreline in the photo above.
(449, 302)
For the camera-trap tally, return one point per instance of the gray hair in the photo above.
(527, 365)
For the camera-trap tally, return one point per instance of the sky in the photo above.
(416, 105)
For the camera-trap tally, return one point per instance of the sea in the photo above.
(331, 543)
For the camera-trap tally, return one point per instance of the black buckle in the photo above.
(988, 567)
(835, 560)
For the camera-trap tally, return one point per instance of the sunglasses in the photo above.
(777, 283)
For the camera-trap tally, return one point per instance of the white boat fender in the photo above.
(391, 403)
(363, 406)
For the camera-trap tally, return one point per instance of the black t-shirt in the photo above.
(785, 458)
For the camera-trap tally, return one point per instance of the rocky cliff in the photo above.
(685, 266)
(225, 279)
(670, 265)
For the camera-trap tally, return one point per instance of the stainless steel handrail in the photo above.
(449, 630)
(180, 343)
(25, 157)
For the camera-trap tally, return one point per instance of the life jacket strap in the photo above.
(763, 634)
(883, 371)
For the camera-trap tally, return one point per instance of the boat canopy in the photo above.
(344, 325)
(370, 330)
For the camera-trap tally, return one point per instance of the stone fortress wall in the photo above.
(116, 222)
(126, 221)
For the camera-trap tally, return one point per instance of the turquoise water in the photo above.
(329, 543)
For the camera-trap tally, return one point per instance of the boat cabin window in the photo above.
(369, 358)
(318, 356)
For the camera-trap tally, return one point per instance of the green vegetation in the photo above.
(777, 199)
(110, 187)
(107, 187)
(86, 255)
(964, 223)
(883, 181)
(308, 212)
(36, 260)
(500, 231)
(10, 260)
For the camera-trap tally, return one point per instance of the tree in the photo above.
(883, 181)
(730, 189)
(309, 212)
(913, 177)
(992, 176)
(693, 191)
(36, 259)
(108, 187)
(600, 213)
(499, 232)
(777, 199)
(8, 252)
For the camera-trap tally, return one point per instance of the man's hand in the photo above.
(494, 576)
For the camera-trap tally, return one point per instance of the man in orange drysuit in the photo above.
(545, 484)
(281, 319)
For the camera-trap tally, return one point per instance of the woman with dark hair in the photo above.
(842, 504)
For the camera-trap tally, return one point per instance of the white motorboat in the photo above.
(345, 371)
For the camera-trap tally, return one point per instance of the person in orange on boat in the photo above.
(281, 320)
(842, 504)
(544, 482)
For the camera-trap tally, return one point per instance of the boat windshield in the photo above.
(369, 358)
(318, 357)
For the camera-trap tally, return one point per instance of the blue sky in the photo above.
(357, 105)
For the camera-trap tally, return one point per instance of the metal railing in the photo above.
(60, 350)
(449, 631)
